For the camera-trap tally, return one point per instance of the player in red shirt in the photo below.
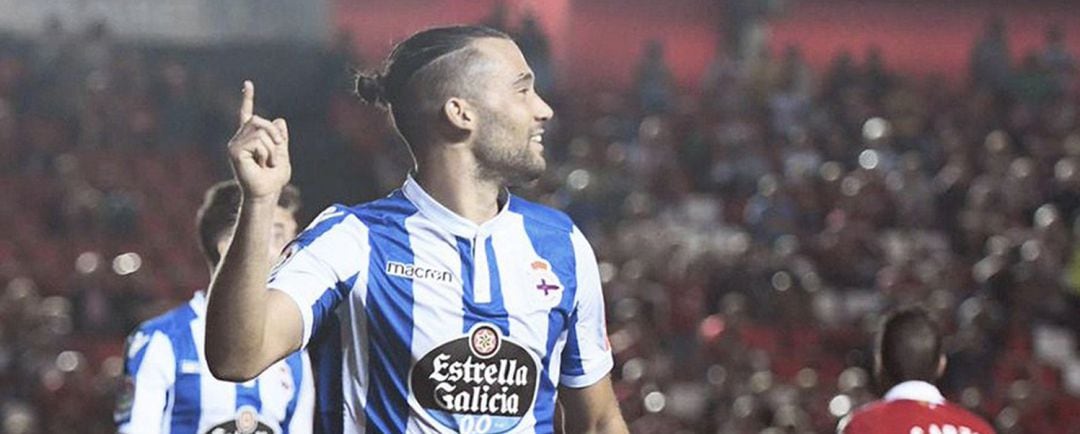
(908, 360)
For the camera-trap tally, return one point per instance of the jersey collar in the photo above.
(915, 391)
(449, 220)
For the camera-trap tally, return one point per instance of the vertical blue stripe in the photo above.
(389, 310)
(328, 301)
(325, 352)
(248, 396)
(464, 248)
(473, 312)
(571, 357)
(296, 368)
(326, 359)
(549, 232)
(188, 402)
(497, 309)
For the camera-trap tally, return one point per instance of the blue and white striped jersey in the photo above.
(421, 321)
(170, 389)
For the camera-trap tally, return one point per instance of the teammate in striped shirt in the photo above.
(170, 389)
(449, 306)
(908, 360)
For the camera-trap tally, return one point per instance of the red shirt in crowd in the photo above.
(913, 407)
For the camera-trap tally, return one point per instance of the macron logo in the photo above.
(411, 271)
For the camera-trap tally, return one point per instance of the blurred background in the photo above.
(761, 180)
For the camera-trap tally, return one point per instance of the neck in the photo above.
(450, 177)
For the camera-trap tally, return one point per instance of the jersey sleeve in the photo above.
(587, 356)
(321, 265)
(150, 368)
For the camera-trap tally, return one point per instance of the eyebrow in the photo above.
(524, 77)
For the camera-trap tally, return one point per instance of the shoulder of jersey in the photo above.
(870, 408)
(873, 411)
(330, 217)
(974, 419)
(167, 323)
(394, 204)
(541, 214)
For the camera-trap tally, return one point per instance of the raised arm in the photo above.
(249, 327)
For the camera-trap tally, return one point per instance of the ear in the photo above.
(460, 113)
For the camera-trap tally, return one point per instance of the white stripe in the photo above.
(481, 272)
(217, 398)
(354, 378)
(354, 334)
(303, 416)
(166, 419)
(437, 306)
(272, 391)
(528, 320)
(155, 377)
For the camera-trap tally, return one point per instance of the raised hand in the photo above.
(259, 151)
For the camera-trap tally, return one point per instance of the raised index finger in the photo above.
(247, 104)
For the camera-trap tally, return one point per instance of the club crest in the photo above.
(544, 284)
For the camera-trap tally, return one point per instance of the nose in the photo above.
(543, 110)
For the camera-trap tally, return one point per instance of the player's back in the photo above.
(906, 416)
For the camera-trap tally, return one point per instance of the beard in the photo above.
(504, 156)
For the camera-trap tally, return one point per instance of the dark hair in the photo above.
(218, 212)
(910, 346)
(388, 88)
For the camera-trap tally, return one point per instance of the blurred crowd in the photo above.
(752, 234)
(751, 231)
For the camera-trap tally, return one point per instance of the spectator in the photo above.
(990, 66)
(654, 82)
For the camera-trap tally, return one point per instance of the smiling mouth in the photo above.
(537, 137)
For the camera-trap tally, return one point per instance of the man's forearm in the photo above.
(236, 311)
(612, 423)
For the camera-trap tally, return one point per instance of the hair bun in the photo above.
(370, 88)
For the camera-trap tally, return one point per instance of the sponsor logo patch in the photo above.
(246, 422)
(412, 271)
(479, 383)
